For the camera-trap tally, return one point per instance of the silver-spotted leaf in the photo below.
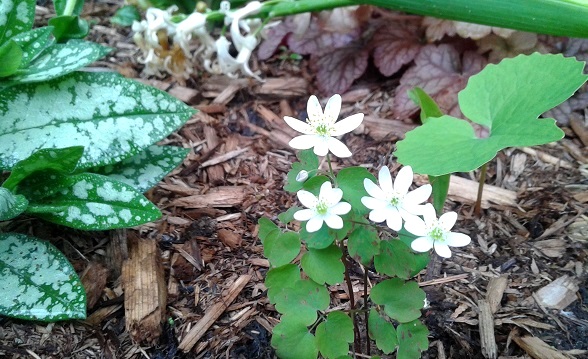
(383, 332)
(33, 43)
(323, 265)
(16, 16)
(92, 202)
(402, 300)
(11, 205)
(292, 340)
(60, 59)
(334, 335)
(145, 169)
(412, 340)
(10, 58)
(38, 282)
(112, 117)
(534, 84)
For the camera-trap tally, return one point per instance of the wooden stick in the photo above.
(212, 314)
(486, 325)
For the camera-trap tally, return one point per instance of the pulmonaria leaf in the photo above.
(336, 70)
(17, 17)
(323, 265)
(402, 300)
(334, 335)
(33, 43)
(396, 44)
(511, 120)
(383, 332)
(412, 340)
(38, 282)
(292, 340)
(441, 72)
(11, 205)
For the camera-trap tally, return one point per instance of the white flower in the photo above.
(326, 208)
(392, 202)
(436, 233)
(320, 128)
(195, 24)
(227, 64)
(300, 177)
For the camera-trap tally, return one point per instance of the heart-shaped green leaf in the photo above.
(293, 341)
(507, 99)
(281, 249)
(334, 335)
(38, 282)
(402, 300)
(412, 340)
(11, 205)
(383, 332)
(15, 17)
(145, 169)
(266, 226)
(92, 202)
(111, 117)
(302, 301)
(363, 244)
(323, 265)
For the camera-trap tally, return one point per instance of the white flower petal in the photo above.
(313, 108)
(373, 190)
(307, 199)
(457, 239)
(417, 196)
(326, 192)
(314, 224)
(304, 142)
(447, 220)
(347, 124)
(333, 108)
(373, 203)
(321, 146)
(422, 244)
(416, 226)
(378, 215)
(385, 180)
(403, 180)
(407, 216)
(298, 125)
(333, 221)
(429, 214)
(340, 208)
(334, 196)
(338, 148)
(442, 249)
(394, 221)
(304, 214)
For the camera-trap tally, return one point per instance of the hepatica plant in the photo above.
(314, 247)
(76, 149)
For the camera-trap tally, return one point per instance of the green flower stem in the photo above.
(69, 7)
(331, 173)
(554, 17)
(478, 206)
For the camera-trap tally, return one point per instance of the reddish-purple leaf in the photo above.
(442, 74)
(336, 71)
(395, 45)
(274, 37)
(318, 40)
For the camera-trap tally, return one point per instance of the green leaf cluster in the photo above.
(80, 150)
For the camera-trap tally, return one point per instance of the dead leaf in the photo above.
(396, 45)
(436, 28)
(336, 71)
(442, 73)
(502, 47)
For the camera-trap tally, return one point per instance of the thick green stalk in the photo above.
(554, 17)
(70, 5)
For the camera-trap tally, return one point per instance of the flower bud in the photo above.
(302, 176)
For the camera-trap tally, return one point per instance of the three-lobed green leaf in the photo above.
(292, 340)
(38, 282)
(350, 180)
(302, 301)
(402, 300)
(412, 340)
(281, 248)
(334, 335)
(507, 99)
(323, 265)
(363, 244)
(396, 259)
(383, 332)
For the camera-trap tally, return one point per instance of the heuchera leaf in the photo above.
(16, 17)
(33, 43)
(336, 70)
(402, 300)
(274, 36)
(112, 117)
(511, 120)
(38, 282)
(397, 259)
(334, 335)
(11, 205)
(145, 169)
(441, 73)
(62, 160)
(323, 265)
(412, 340)
(281, 249)
(302, 301)
(318, 40)
(90, 201)
(293, 341)
(396, 44)
(363, 244)
(382, 332)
